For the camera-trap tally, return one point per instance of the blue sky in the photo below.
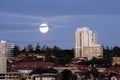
(20, 20)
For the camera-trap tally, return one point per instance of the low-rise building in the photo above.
(115, 60)
(47, 76)
(27, 67)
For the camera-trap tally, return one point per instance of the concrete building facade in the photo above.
(85, 43)
(5, 51)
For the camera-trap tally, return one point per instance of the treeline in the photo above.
(54, 54)
(40, 49)
(107, 52)
(111, 52)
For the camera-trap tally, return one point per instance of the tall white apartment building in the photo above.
(85, 43)
(5, 52)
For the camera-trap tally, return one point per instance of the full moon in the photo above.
(44, 28)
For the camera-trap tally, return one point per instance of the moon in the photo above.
(44, 28)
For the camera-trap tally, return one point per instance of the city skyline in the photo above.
(20, 20)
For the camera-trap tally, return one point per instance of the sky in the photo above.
(20, 20)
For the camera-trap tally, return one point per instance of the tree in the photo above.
(112, 74)
(16, 51)
(37, 49)
(107, 52)
(69, 53)
(30, 48)
(50, 70)
(39, 70)
(44, 48)
(63, 60)
(67, 75)
(94, 72)
(108, 62)
(56, 49)
(116, 51)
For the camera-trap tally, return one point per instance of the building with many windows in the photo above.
(85, 43)
(5, 51)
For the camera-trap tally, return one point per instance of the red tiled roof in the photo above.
(30, 65)
(115, 69)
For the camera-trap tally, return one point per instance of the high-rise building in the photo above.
(85, 43)
(5, 52)
(6, 49)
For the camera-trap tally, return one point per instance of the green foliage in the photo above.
(40, 70)
(67, 75)
(113, 74)
(88, 62)
(37, 49)
(106, 62)
(50, 70)
(115, 51)
(63, 61)
(16, 51)
(94, 72)
(51, 59)
(55, 54)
